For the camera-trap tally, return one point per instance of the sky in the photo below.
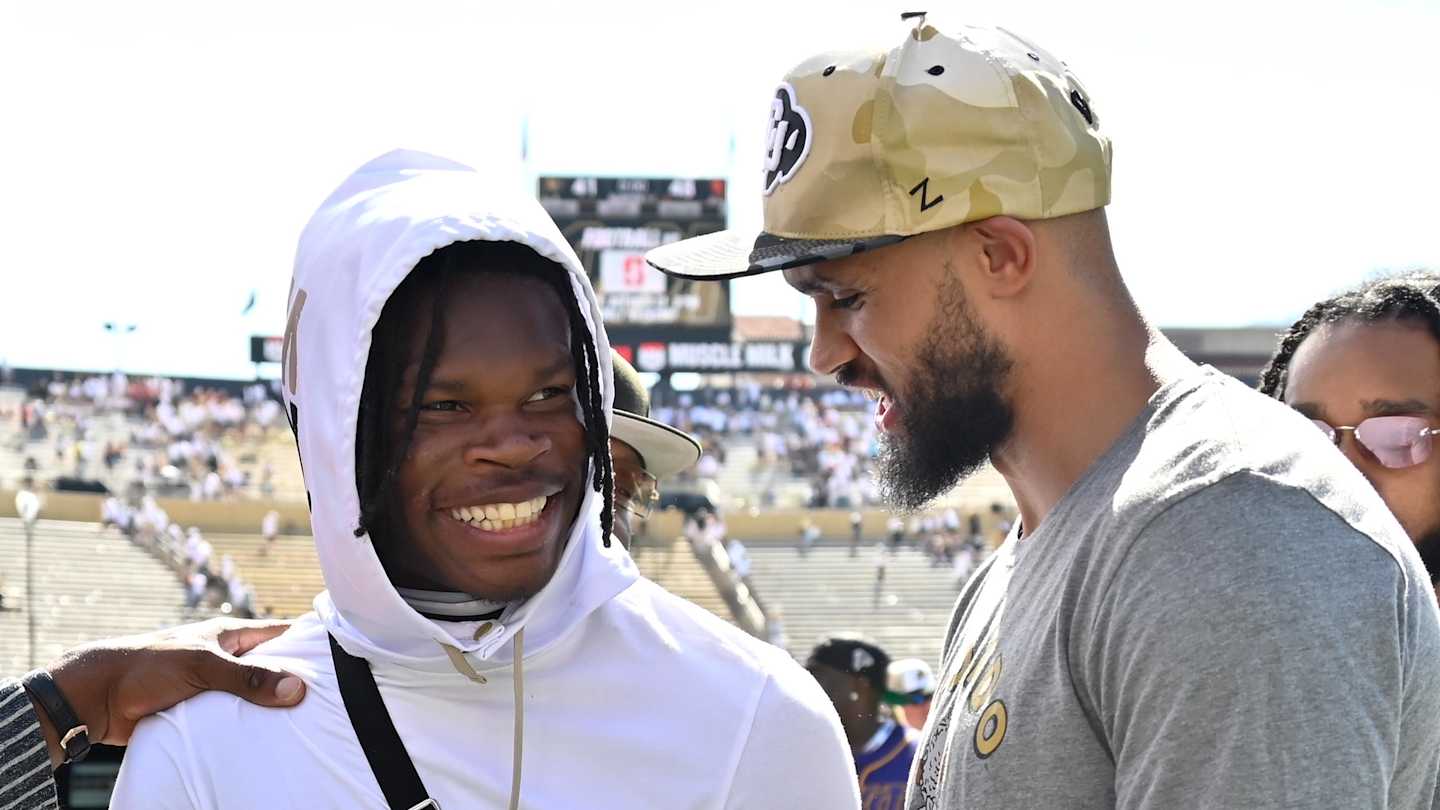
(159, 159)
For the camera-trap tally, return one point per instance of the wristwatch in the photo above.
(74, 735)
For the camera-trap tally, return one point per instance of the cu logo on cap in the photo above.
(788, 140)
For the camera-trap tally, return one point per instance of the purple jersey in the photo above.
(885, 771)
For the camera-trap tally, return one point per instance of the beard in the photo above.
(953, 413)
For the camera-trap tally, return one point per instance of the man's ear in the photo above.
(1002, 251)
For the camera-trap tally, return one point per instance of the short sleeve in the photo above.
(1250, 652)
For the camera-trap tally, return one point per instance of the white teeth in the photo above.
(502, 516)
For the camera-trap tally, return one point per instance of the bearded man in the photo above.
(1203, 603)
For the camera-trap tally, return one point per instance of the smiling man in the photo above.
(1203, 604)
(480, 641)
(1364, 366)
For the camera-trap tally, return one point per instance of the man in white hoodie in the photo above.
(480, 644)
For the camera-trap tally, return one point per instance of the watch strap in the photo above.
(74, 735)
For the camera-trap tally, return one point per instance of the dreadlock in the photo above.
(379, 451)
(1411, 297)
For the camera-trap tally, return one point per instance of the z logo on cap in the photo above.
(788, 140)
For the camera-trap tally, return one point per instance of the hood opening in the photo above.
(414, 317)
(393, 222)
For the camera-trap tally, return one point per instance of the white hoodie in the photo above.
(632, 697)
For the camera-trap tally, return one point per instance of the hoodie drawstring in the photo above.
(462, 666)
(519, 747)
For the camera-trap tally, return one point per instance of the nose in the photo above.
(506, 442)
(831, 347)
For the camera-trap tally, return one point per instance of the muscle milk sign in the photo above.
(719, 356)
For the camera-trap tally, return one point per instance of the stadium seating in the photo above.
(88, 585)
(674, 567)
(828, 592)
(285, 581)
(92, 585)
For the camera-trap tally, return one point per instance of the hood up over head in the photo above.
(359, 246)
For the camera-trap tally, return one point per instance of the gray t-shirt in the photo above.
(1220, 613)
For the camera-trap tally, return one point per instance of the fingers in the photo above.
(241, 637)
(258, 685)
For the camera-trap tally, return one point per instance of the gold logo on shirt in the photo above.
(990, 731)
(977, 679)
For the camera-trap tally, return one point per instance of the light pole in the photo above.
(27, 505)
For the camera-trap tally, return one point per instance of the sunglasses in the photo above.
(1395, 441)
(636, 493)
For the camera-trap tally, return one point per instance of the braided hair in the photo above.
(379, 450)
(1411, 297)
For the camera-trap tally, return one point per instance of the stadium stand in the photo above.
(285, 580)
(88, 585)
(827, 592)
(772, 458)
(673, 565)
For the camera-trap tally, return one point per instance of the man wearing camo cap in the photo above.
(1202, 604)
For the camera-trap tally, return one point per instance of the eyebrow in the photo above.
(813, 283)
(1395, 407)
(1371, 407)
(445, 385)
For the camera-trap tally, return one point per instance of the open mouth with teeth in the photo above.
(499, 517)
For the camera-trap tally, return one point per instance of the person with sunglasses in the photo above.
(1364, 366)
(644, 451)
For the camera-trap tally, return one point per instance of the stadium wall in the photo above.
(243, 517)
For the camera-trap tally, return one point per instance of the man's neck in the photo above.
(861, 729)
(1076, 400)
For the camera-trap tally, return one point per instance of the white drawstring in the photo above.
(462, 666)
(519, 720)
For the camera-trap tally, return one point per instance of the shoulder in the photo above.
(1252, 555)
(685, 637)
(1256, 526)
(1218, 451)
(674, 620)
(204, 744)
(1205, 427)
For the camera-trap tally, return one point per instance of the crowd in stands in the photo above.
(148, 435)
(209, 583)
(824, 436)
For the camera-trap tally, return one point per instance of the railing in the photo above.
(743, 602)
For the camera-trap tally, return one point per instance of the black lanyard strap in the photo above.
(384, 749)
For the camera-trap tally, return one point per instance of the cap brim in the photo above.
(666, 451)
(730, 254)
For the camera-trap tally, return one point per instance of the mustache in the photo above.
(850, 376)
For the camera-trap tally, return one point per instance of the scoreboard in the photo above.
(612, 221)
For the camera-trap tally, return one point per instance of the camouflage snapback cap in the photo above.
(867, 148)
